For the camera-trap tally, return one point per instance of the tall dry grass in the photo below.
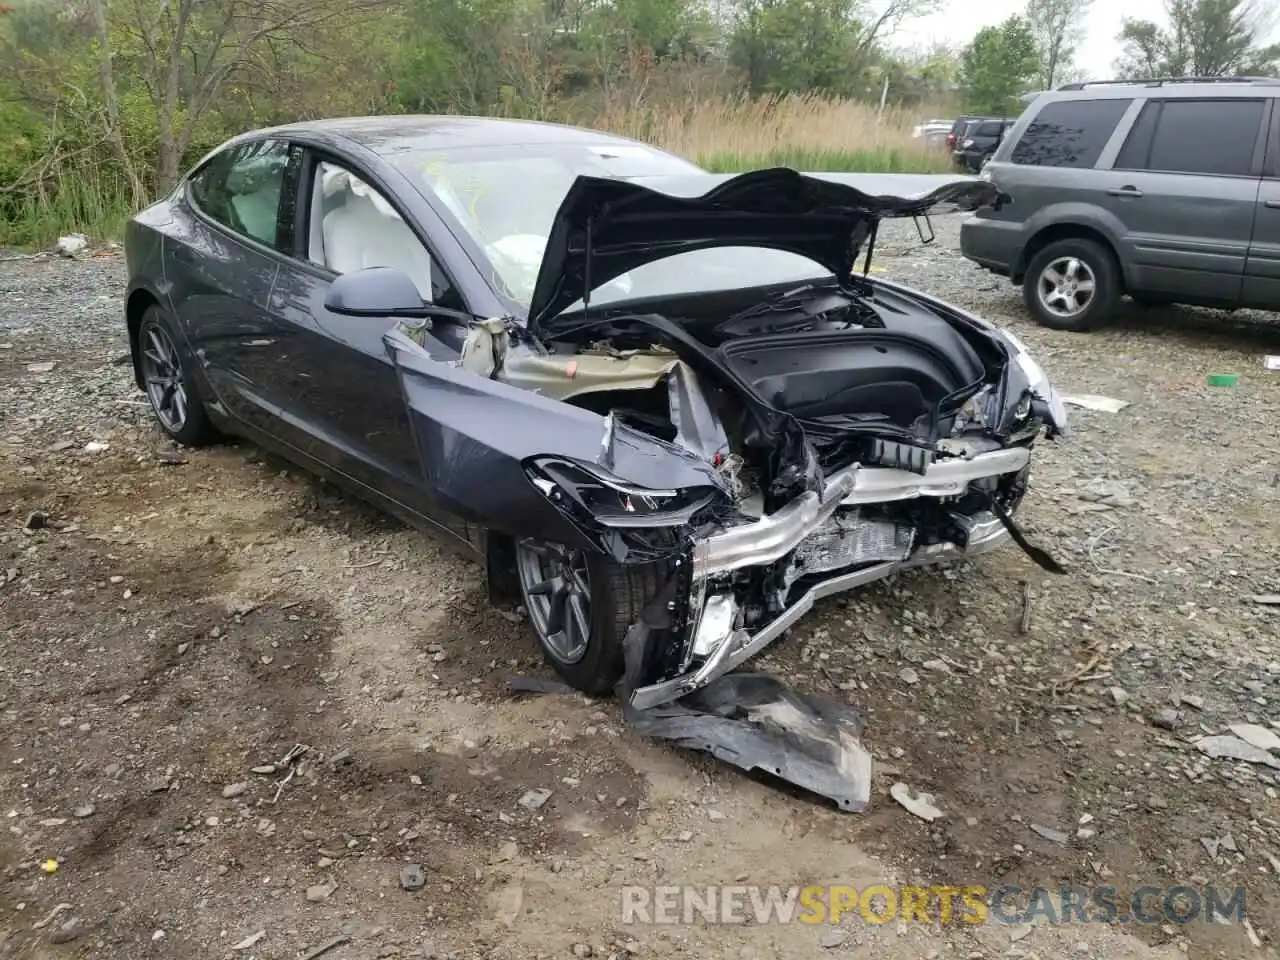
(805, 132)
(722, 134)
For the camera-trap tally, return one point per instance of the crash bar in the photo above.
(771, 538)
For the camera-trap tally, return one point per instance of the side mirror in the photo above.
(376, 292)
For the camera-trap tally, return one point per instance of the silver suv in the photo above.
(1165, 190)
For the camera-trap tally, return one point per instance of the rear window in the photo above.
(1215, 137)
(989, 130)
(1069, 133)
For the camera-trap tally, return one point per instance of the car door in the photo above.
(1185, 187)
(344, 386)
(221, 255)
(1262, 271)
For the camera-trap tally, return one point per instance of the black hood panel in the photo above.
(606, 227)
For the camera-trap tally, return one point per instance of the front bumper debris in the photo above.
(771, 538)
(757, 724)
(985, 533)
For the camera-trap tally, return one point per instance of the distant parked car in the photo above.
(934, 132)
(978, 142)
(1166, 190)
(958, 127)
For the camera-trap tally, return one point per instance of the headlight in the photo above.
(1038, 382)
(594, 493)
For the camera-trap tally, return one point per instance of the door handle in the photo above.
(1273, 204)
(1124, 192)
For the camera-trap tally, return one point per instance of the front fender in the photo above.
(475, 434)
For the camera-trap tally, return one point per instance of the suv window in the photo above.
(353, 226)
(240, 189)
(992, 128)
(1069, 133)
(1214, 137)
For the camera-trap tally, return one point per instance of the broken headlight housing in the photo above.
(1040, 390)
(577, 488)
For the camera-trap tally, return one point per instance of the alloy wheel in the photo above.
(1066, 287)
(162, 374)
(556, 586)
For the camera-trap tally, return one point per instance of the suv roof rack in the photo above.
(1161, 81)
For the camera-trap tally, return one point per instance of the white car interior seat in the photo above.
(353, 227)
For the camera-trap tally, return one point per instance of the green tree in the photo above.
(814, 46)
(1056, 26)
(1202, 38)
(998, 66)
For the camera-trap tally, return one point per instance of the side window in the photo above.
(1215, 137)
(353, 226)
(989, 130)
(240, 188)
(1069, 133)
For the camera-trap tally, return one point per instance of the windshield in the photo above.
(507, 197)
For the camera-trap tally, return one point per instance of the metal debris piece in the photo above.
(919, 804)
(1225, 746)
(325, 947)
(756, 723)
(1055, 836)
(534, 799)
(1093, 401)
(1256, 735)
(413, 877)
(1267, 599)
(249, 941)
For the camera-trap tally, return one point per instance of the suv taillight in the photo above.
(951, 141)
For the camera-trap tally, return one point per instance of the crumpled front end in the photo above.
(749, 583)
(742, 574)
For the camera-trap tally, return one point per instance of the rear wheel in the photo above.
(1072, 284)
(580, 606)
(170, 388)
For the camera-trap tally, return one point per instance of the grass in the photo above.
(802, 132)
(725, 136)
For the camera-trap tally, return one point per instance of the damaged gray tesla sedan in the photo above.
(645, 396)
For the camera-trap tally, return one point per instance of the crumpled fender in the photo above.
(474, 435)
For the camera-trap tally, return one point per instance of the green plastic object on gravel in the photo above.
(1222, 379)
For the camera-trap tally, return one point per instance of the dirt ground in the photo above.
(171, 630)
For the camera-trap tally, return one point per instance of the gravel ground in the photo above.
(172, 630)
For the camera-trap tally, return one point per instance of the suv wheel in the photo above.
(1072, 284)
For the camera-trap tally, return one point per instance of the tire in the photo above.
(617, 593)
(169, 385)
(1095, 262)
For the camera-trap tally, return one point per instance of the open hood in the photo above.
(606, 227)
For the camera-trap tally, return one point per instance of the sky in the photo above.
(959, 20)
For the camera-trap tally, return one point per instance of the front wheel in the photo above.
(1072, 284)
(580, 606)
(170, 388)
